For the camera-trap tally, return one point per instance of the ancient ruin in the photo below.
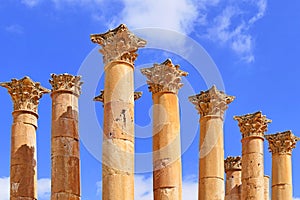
(164, 83)
(245, 176)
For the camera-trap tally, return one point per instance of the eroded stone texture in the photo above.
(164, 81)
(211, 105)
(65, 156)
(23, 167)
(252, 127)
(233, 167)
(100, 97)
(118, 44)
(281, 146)
(119, 48)
(266, 189)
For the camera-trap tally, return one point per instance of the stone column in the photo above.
(25, 95)
(164, 83)
(281, 146)
(252, 126)
(119, 48)
(65, 158)
(211, 106)
(233, 172)
(267, 186)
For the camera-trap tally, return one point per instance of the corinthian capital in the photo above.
(118, 44)
(233, 163)
(164, 77)
(211, 102)
(255, 124)
(25, 93)
(282, 143)
(66, 83)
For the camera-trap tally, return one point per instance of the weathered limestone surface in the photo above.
(266, 187)
(119, 48)
(252, 126)
(25, 95)
(211, 105)
(233, 172)
(164, 81)
(65, 157)
(281, 146)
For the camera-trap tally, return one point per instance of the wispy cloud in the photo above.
(30, 3)
(15, 28)
(44, 188)
(232, 26)
(225, 23)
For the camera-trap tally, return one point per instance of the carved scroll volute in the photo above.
(66, 83)
(164, 77)
(233, 163)
(282, 143)
(211, 102)
(118, 44)
(25, 93)
(255, 124)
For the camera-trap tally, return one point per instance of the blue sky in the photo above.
(249, 47)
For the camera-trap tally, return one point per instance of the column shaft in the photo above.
(233, 178)
(253, 126)
(252, 168)
(211, 165)
(282, 177)
(65, 173)
(23, 167)
(25, 95)
(166, 147)
(267, 188)
(211, 105)
(118, 135)
(119, 47)
(281, 146)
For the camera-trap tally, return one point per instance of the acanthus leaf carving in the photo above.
(211, 102)
(25, 93)
(164, 77)
(118, 44)
(255, 124)
(282, 143)
(66, 82)
(233, 163)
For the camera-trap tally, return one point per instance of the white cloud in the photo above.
(226, 23)
(144, 188)
(231, 27)
(4, 189)
(168, 14)
(296, 198)
(15, 28)
(44, 188)
(30, 3)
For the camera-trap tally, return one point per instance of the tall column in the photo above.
(211, 105)
(266, 187)
(25, 95)
(65, 158)
(281, 146)
(164, 83)
(233, 172)
(252, 126)
(119, 48)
